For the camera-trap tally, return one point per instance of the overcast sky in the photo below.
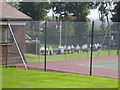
(93, 14)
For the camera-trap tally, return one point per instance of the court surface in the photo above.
(106, 66)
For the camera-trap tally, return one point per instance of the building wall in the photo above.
(19, 32)
(9, 51)
(31, 48)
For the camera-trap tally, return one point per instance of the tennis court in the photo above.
(111, 64)
(106, 66)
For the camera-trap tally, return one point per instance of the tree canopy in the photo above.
(36, 10)
(62, 10)
(68, 11)
(116, 12)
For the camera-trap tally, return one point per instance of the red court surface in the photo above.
(79, 66)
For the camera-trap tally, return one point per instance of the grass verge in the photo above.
(18, 78)
(36, 58)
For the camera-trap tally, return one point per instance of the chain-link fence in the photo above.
(68, 46)
(62, 38)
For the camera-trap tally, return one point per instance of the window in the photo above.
(5, 35)
(9, 37)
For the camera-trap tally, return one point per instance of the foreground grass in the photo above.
(17, 78)
(36, 58)
(0, 77)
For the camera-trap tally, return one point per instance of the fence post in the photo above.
(118, 41)
(91, 57)
(36, 46)
(45, 45)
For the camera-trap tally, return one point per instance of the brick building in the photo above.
(17, 20)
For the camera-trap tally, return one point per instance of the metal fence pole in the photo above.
(118, 40)
(109, 43)
(7, 49)
(91, 57)
(36, 46)
(45, 45)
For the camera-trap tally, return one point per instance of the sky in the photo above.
(93, 14)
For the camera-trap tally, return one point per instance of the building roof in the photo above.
(10, 13)
(51, 24)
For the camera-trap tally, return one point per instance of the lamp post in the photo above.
(60, 33)
(41, 29)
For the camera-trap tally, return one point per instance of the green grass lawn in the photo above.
(18, 78)
(0, 77)
(67, 56)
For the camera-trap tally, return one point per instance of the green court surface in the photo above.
(106, 64)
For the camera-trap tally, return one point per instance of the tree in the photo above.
(106, 8)
(14, 4)
(76, 9)
(116, 12)
(73, 12)
(36, 10)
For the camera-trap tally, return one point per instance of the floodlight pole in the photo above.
(39, 47)
(60, 32)
(91, 48)
(108, 36)
(45, 45)
(66, 39)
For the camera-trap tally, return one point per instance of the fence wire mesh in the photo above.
(15, 46)
(68, 46)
